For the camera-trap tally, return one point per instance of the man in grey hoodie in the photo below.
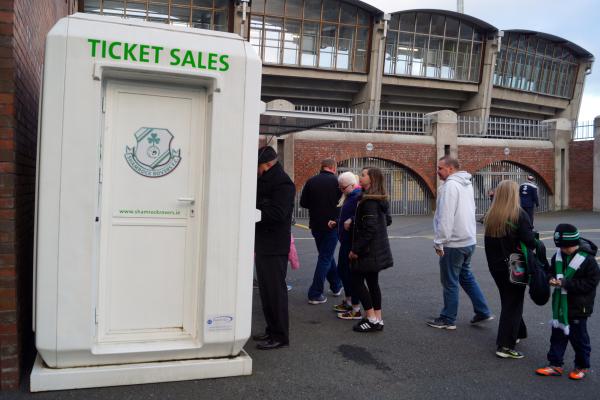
(454, 243)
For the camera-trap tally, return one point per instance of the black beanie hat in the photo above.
(566, 235)
(266, 154)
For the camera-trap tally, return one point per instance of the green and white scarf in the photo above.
(560, 307)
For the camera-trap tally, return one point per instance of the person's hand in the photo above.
(352, 255)
(439, 252)
(555, 282)
(347, 224)
(331, 224)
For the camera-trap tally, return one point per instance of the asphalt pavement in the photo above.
(408, 360)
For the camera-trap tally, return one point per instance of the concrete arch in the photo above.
(425, 174)
(408, 192)
(400, 164)
(489, 176)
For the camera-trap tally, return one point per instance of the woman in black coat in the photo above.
(370, 247)
(506, 225)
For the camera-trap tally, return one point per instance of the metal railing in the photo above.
(387, 121)
(583, 130)
(505, 128)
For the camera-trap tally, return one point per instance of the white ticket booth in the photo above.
(145, 204)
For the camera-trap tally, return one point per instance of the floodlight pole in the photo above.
(460, 6)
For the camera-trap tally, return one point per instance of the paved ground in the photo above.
(409, 360)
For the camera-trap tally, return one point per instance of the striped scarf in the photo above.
(560, 307)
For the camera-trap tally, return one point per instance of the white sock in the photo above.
(372, 320)
(356, 309)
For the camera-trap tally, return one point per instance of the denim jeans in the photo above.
(326, 268)
(580, 340)
(344, 271)
(455, 268)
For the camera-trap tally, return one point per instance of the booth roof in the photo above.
(279, 122)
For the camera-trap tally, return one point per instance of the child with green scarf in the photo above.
(574, 276)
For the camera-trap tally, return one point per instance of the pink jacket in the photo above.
(293, 255)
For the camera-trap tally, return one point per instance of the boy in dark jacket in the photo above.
(575, 275)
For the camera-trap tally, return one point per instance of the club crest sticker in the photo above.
(152, 155)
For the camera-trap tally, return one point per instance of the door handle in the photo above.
(189, 200)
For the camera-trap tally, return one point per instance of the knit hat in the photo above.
(266, 154)
(566, 235)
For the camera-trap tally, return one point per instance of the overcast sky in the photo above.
(575, 20)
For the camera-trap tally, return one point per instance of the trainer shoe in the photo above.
(338, 293)
(440, 323)
(477, 319)
(365, 326)
(379, 326)
(505, 352)
(289, 287)
(549, 370)
(342, 308)
(350, 315)
(578, 373)
(319, 300)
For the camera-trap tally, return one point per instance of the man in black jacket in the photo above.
(321, 195)
(275, 193)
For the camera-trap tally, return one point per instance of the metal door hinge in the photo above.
(103, 104)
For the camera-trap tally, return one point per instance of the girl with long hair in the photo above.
(370, 251)
(506, 225)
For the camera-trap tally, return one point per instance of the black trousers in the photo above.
(529, 211)
(371, 297)
(511, 325)
(580, 340)
(270, 274)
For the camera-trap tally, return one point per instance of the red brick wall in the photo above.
(541, 161)
(23, 27)
(581, 175)
(419, 158)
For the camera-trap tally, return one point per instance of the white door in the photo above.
(151, 177)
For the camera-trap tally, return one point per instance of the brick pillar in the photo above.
(596, 170)
(23, 28)
(9, 354)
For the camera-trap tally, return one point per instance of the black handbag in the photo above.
(538, 268)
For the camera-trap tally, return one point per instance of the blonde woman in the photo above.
(507, 224)
(348, 183)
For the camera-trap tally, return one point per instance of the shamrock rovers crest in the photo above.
(152, 156)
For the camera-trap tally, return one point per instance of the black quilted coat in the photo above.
(370, 238)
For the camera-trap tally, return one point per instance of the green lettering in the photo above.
(104, 49)
(144, 53)
(200, 65)
(129, 47)
(94, 44)
(212, 60)
(157, 50)
(188, 59)
(111, 52)
(224, 63)
(175, 57)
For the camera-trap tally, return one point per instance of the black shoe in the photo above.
(261, 338)
(365, 326)
(271, 345)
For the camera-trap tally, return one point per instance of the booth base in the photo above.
(45, 379)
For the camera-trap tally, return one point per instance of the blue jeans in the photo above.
(455, 268)
(344, 271)
(580, 340)
(326, 268)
